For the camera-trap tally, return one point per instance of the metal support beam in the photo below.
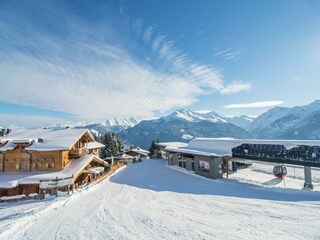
(302, 155)
(229, 166)
(307, 178)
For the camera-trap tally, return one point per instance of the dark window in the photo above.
(204, 166)
(50, 165)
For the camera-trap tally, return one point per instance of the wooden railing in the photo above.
(112, 170)
(78, 152)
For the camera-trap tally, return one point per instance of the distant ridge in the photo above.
(300, 122)
(182, 125)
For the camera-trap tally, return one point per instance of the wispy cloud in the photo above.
(255, 104)
(297, 79)
(121, 8)
(88, 76)
(229, 53)
(148, 34)
(236, 87)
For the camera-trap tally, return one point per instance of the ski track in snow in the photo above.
(149, 200)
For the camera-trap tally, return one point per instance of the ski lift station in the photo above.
(210, 157)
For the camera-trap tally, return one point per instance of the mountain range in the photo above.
(99, 128)
(182, 125)
(300, 122)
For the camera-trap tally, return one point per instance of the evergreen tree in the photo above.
(152, 148)
(113, 145)
(158, 151)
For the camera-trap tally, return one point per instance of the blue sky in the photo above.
(93, 60)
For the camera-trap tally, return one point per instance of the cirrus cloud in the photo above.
(255, 104)
(86, 75)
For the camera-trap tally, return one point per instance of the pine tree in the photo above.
(152, 148)
(158, 151)
(114, 145)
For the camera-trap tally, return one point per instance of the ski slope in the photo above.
(150, 200)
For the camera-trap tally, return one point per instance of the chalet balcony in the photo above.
(75, 153)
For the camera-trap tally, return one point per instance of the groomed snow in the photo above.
(150, 200)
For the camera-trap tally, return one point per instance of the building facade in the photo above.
(31, 157)
(210, 167)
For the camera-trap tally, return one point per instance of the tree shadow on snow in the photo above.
(155, 175)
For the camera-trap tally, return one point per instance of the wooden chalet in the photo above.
(38, 160)
(132, 155)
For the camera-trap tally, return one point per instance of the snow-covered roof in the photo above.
(139, 151)
(45, 139)
(172, 144)
(95, 170)
(8, 146)
(223, 146)
(74, 168)
(92, 145)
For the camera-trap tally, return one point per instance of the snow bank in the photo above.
(12, 197)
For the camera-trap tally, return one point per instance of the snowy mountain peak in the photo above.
(211, 116)
(190, 116)
(241, 121)
(277, 113)
(314, 106)
(123, 122)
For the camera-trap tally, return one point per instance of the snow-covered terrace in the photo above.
(73, 169)
(223, 146)
(94, 145)
(139, 151)
(172, 144)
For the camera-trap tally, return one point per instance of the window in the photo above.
(204, 166)
(50, 165)
(37, 165)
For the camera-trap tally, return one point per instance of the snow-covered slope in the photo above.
(268, 117)
(299, 122)
(191, 116)
(152, 201)
(123, 122)
(241, 121)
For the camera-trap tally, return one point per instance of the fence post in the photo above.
(56, 188)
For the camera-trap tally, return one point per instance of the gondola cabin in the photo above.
(280, 171)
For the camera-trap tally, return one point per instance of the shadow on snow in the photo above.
(154, 175)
